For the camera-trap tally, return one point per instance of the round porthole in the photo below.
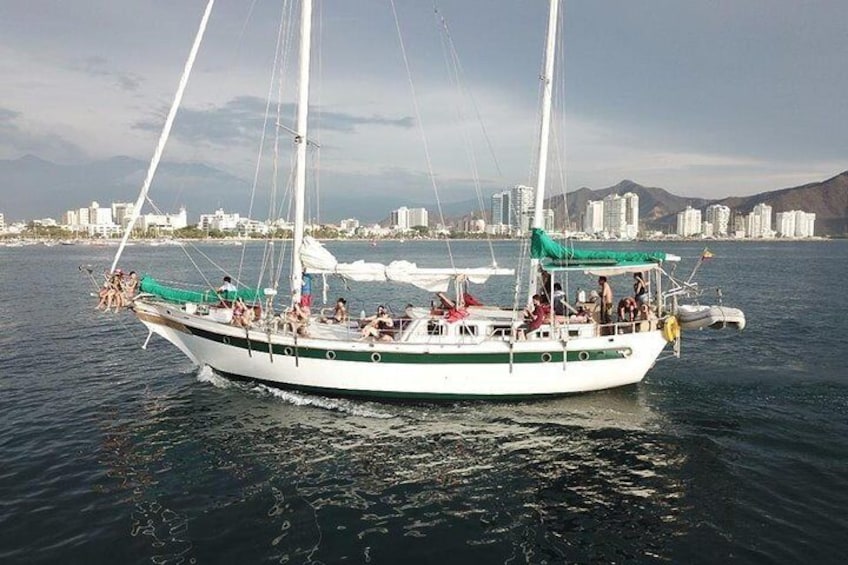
(331, 355)
(226, 340)
(546, 357)
(376, 357)
(583, 355)
(288, 351)
(626, 352)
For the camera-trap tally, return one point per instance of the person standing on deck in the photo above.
(605, 290)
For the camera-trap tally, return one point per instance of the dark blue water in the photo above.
(738, 452)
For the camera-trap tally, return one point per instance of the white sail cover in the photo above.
(318, 260)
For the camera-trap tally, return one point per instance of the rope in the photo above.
(418, 118)
(455, 71)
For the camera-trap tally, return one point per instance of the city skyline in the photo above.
(745, 98)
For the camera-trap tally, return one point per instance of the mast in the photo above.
(163, 137)
(300, 145)
(544, 135)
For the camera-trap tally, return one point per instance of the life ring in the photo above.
(671, 329)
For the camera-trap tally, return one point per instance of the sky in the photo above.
(708, 98)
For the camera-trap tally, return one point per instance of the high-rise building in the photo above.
(521, 200)
(418, 217)
(689, 222)
(501, 207)
(99, 216)
(593, 220)
(805, 224)
(759, 222)
(719, 217)
(795, 223)
(615, 216)
(2, 224)
(631, 215)
(121, 212)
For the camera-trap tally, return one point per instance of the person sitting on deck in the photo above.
(339, 315)
(379, 326)
(582, 316)
(297, 320)
(538, 316)
(130, 287)
(112, 294)
(243, 315)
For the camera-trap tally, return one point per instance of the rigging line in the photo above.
(166, 132)
(430, 172)
(263, 137)
(455, 71)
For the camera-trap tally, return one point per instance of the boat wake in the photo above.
(206, 375)
(345, 406)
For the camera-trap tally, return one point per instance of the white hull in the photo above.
(491, 368)
(696, 317)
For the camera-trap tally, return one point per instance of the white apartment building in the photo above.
(795, 223)
(548, 219)
(719, 217)
(219, 220)
(163, 222)
(349, 225)
(593, 220)
(707, 229)
(99, 216)
(759, 222)
(2, 223)
(418, 217)
(689, 222)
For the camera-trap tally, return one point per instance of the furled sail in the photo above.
(318, 260)
(543, 247)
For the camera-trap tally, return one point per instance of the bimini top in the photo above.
(557, 257)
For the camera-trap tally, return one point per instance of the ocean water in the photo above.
(737, 452)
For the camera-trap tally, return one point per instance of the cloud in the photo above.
(20, 138)
(240, 121)
(99, 67)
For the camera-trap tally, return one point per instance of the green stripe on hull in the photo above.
(260, 347)
(392, 395)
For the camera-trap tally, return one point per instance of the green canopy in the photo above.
(150, 286)
(543, 247)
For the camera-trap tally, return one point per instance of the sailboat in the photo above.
(464, 351)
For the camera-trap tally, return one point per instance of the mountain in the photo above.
(658, 208)
(827, 199)
(655, 204)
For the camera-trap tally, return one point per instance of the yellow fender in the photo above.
(671, 329)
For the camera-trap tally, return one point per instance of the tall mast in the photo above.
(300, 144)
(163, 137)
(544, 134)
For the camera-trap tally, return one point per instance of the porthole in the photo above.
(288, 351)
(626, 352)
(330, 355)
(226, 340)
(546, 357)
(583, 355)
(376, 357)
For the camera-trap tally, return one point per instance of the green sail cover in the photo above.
(543, 247)
(150, 286)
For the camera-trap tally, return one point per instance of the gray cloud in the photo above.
(99, 67)
(16, 140)
(240, 121)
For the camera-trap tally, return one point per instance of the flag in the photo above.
(707, 254)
